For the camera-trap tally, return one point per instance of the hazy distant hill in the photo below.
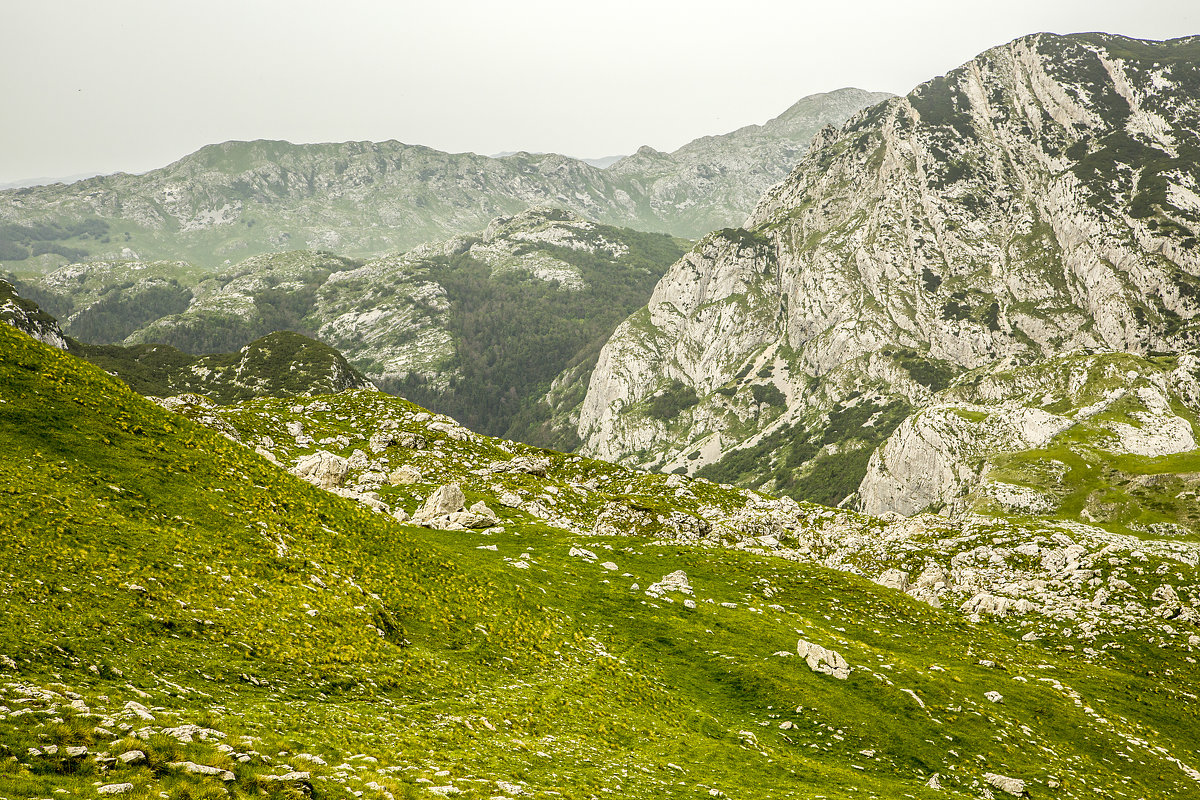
(229, 201)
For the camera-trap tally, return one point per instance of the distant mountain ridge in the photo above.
(229, 201)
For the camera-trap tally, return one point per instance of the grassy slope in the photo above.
(591, 688)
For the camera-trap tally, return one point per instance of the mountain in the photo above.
(20, 184)
(714, 175)
(1041, 198)
(477, 326)
(229, 201)
(186, 617)
(1102, 437)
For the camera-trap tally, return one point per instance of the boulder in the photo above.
(404, 475)
(193, 768)
(1013, 786)
(819, 659)
(322, 468)
(674, 582)
(522, 464)
(413, 441)
(445, 499)
(372, 478)
(440, 507)
(894, 579)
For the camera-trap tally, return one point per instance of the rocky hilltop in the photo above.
(1042, 197)
(29, 318)
(229, 201)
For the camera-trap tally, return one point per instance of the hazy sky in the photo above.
(100, 86)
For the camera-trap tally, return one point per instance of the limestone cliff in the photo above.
(1103, 437)
(1043, 196)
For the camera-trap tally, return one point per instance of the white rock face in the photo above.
(941, 458)
(965, 235)
(701, 319)
(819, 659)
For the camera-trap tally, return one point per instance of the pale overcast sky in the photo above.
(91, 86)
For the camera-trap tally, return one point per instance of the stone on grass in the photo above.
(676, 581)
(1013, 786)
(404, 475)
(322, 468)
(445, 500)
(819, 659)
(193, 768)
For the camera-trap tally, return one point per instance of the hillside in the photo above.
(188, 618)
(227, 202)
(1040, 198)
(281, 364)
(477, 326)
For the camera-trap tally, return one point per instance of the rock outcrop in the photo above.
(819, 659)
(27, 317)
(323, 469)
(999, 441)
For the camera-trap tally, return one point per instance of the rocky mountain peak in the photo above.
(1041, 197)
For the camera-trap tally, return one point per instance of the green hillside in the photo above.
(158, 576)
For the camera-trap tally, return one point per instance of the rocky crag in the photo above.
(229, 201)
(1104, 437)
(29, 318)
(1040, 198)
